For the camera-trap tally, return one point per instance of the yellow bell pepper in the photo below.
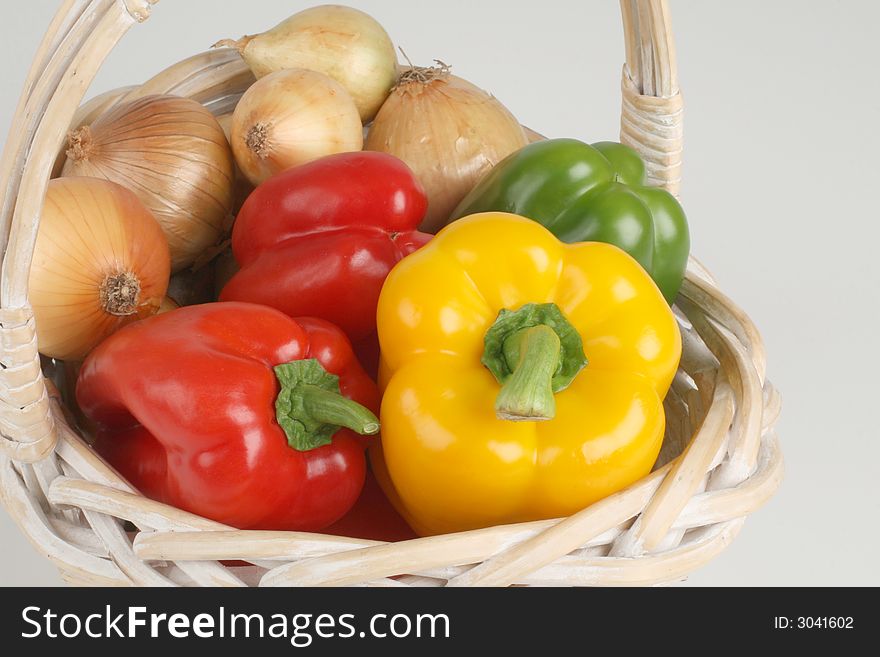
(523, 377)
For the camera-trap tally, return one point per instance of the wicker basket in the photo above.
(720, 459)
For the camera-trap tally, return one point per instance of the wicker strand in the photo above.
(681, 483)
(79, 70)
(706, 508)
(112, 535)
(746, 430)
(15, 150)
(207, 77)
(652, 109)
(653, 126)
(29, 433)
(139, 10)
(27, 429)
(86, 463)
(16, 498)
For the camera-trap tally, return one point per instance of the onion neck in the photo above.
(238, 44)
(421, 75)
(79, 144)
(120, 293)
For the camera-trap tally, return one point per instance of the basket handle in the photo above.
(79, 39)
(652, 111)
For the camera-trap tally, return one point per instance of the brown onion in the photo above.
(100, 262)
(172, 153)
(448, 131)
(242, 187)
(341, 42)
(292, 117)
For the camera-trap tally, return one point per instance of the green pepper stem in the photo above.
(328, 407)
(532, 355)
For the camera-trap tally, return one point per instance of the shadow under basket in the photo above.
(720, 460)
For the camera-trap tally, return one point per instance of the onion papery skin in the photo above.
(290, 118)
(93, 234)
(173, 154)
(343, 43)
(450, 133)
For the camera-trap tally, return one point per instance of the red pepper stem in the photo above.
(328, 407)
(532, 355)
(310, 409)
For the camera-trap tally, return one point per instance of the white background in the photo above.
(781, 188)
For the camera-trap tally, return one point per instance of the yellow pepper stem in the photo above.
(533, 352)
(533, 357)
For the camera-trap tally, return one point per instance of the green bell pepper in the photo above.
(590, 193)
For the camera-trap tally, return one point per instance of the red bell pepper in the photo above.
(233, 411)
(320, 238)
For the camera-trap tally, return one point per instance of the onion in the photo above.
(241, 187)
(448, 131)
(172, 153)
(101, 261)
(292, 117)
(343, 43)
